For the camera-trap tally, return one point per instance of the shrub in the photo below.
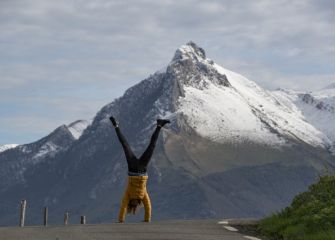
(310, 216)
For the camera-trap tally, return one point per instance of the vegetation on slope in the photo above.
(310, 216)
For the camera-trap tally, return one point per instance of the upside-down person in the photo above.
(136, 193)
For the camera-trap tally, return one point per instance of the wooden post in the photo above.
(83, 220)
(23, 212)
(46, 211)
(66, 219)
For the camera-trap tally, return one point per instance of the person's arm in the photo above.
(123, 208)
(147, 207)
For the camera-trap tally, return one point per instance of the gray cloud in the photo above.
(77, 55)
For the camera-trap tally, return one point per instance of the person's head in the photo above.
(133, 205)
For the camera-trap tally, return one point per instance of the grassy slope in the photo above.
(310, 216)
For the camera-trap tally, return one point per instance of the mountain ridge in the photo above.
(318, 108)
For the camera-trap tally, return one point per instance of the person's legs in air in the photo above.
(126, 148)
(146, 156)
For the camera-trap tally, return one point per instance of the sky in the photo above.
(63, 60)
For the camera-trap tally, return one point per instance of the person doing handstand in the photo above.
(136, 193)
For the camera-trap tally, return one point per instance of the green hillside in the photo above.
(310, 216)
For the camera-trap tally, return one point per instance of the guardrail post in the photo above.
(23, 212)
(46, 215)
(83, 220)
(66, 219)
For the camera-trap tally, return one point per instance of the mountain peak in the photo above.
(77, 128)
(190, 51)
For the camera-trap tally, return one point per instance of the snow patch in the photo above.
(77, 128)
(222, 115)
(46, 149)
(7, 147)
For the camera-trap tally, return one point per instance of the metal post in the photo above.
(46, 215)
(23, 212)
(66, 219)
(83, 220)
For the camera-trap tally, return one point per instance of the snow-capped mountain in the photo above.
(237, 109)
(78, 127)
(232, 149)
(318, 108)
(19, 159)
(7, 146)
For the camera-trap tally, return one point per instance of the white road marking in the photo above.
(223, 222)
(229, 228)
(251, 238)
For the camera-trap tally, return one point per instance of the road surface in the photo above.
(165, 230)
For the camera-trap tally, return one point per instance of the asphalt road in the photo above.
(176, 230)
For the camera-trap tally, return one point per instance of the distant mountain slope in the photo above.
(232, 149)
(318, 108)
(19, 161)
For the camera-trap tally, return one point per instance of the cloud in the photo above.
(77, 55)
